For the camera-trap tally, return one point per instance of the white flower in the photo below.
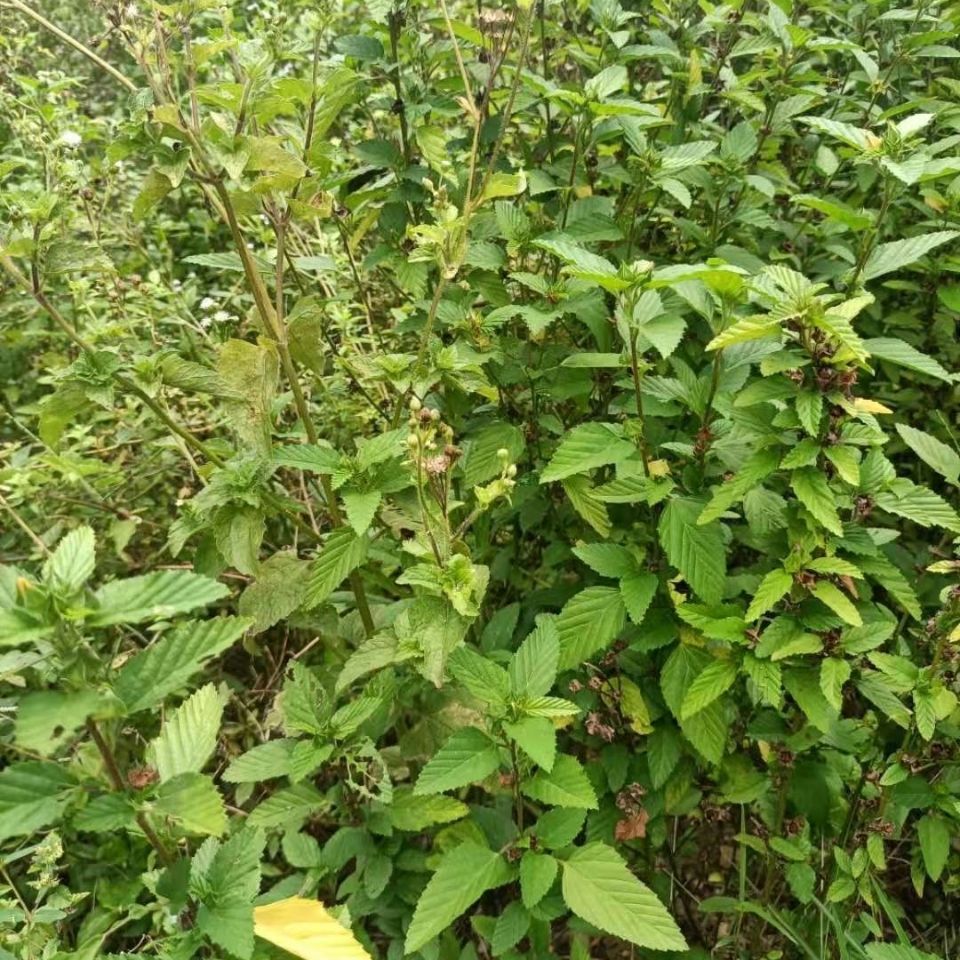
(221, 316)
(71, 139)
(207, 303)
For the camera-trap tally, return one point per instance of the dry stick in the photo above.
(76, 44)
(116, 779)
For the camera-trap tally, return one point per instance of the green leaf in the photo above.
(599, 888)
(888, 257)
(71, 564)
(935, 836)
(150, 676)
(188, 736)
(486, 680)
(903, 355)
(32, 796)
(607, 559)
(289, 807)
(48, 719)
(537, 873)
(712, 682)
(813, 491)
(754, 470)
(933, 452)
(772, 588)
(533, 669)
(566, 785)
(834, 673)
(319, 458)
(341, 554)
(468, 756)
(585, 447)
(696, 550)
(830, 594)
(464, 874)
(279, 589)
(907, 499)
(637, 592)
(588, 622)
(706, 730)
(410, 811)
(536, 737)
(154, 596)
(194, 803)
(262, 762)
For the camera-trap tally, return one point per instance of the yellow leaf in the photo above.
(305, 929)
(659, 468)
(863, 405)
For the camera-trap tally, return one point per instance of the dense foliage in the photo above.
(488, 469)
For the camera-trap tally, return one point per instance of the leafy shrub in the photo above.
(490, 471)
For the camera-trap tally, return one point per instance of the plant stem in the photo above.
(116, 779)
(73, 42)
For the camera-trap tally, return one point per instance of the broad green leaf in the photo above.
(588, 622)
(916, 503)
(188, 736)
(566, 785)
(935, 836)
(153, 596)
(637, 592)
(755, 469)
(316, 457)
(830, 594)
(71, 564)
(166, 666)
(904, 355)
(410, 811)
(933, 452)
(834, 673)
(599, 887)
(537, 873)
(33, 794)
(712, 682)
(467, 757)
(262, 762)
(464, 874)
(279, 589)
(696, 550)
(813, 491)
(192, 802)
(585, 447)
(486, 680)
(342, 552)
(889, 257)
(772, 588)
(536, 737)
(533, 669)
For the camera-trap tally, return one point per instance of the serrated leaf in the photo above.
(712, 682)
(933, 452)
(262, 762)
(588, 622)
(467, 757)
(566, 785)
(904, 355)
(585, 447)
(342, 552)
(599, 888)
(537, 873)
(71, 564)
(188, 736)
(834, 673)
(464, 874)
(533, 669)
(193, 802)
(154, 596)
(536, 737)
(771, 589)
(410, 811)
(831, 595)
(907, 499)
(935, 836)
(813, 491)
(695, 549)
(888, 257)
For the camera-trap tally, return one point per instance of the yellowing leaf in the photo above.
(304, 928)
(863, 405)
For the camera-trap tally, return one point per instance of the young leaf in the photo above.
(695, 549)
(189, 735)
(566, 785)
(714, 681)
